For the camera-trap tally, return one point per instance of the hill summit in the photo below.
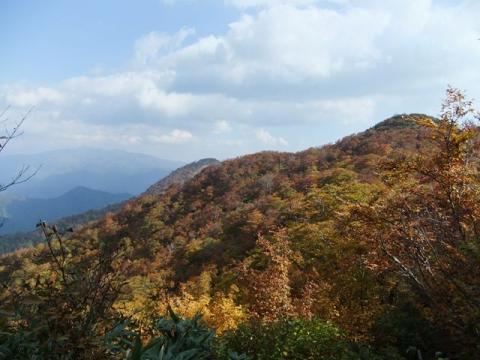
(180, 176)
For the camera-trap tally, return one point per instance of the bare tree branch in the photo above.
(25, 173)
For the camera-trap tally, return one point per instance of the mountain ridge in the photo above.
(180, 175)
(276, 234)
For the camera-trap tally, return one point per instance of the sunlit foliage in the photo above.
(314, 253)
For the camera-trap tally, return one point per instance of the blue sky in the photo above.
(50, 40)
(184, 79)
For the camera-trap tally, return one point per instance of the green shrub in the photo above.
(176, 339)
(18, 346)
(287, 339)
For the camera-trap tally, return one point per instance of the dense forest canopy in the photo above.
(363, 249)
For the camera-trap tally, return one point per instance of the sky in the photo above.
(187, 79)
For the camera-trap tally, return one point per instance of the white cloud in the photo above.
(154, 44)
(45, 128)
(33, 97)
(283, 44)
(171, 104)
(279, 67)
(222, 126)
(176, 136)
(268, 139)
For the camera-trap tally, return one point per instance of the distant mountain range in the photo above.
(24, 214)
(113, 171)
(112, 182)
(16, 235)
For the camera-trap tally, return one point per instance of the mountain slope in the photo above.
(272, 235)
(235, 200)
(215, 218)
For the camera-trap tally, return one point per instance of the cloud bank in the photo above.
(306, 71)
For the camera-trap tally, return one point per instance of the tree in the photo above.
(426, 225)
(268, 288)
(63, 312)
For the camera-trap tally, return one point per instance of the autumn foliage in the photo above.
(425, 226)
(369, 246)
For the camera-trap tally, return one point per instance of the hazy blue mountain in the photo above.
(114, 181)
(114, 171)
(24, 214)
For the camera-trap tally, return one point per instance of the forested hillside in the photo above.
(363, 249)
